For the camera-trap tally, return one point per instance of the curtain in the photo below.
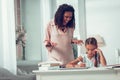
(7, 42)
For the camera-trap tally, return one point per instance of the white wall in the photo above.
(103, 18)
(30, 10)
(34, 19)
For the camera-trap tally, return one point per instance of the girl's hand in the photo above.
(101, 57)
(98, 51)
(70, 65)
(81, 64)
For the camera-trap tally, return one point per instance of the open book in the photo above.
(49, 64)
(113, 66)
(73, 68)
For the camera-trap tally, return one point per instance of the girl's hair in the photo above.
(59, 15)
(91, 40)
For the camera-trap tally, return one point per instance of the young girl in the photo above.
(93, 57)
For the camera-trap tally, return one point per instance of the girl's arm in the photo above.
(74, 62)
(101, 57)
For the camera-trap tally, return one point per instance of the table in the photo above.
(79, 74)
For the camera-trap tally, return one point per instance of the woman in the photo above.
(93, 57)
(59, 35)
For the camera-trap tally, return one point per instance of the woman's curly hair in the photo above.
(59, 15)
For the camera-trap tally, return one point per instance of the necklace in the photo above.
(64, 29)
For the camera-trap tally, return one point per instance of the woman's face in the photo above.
(67, 17)
(90, 50)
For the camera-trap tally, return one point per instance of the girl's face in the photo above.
(67, 17)
(90, 50)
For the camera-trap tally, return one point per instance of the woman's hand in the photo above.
(79, 42)
(50, 45)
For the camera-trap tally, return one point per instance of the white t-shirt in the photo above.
(90, 62)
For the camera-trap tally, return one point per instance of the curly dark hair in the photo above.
(59, 15)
